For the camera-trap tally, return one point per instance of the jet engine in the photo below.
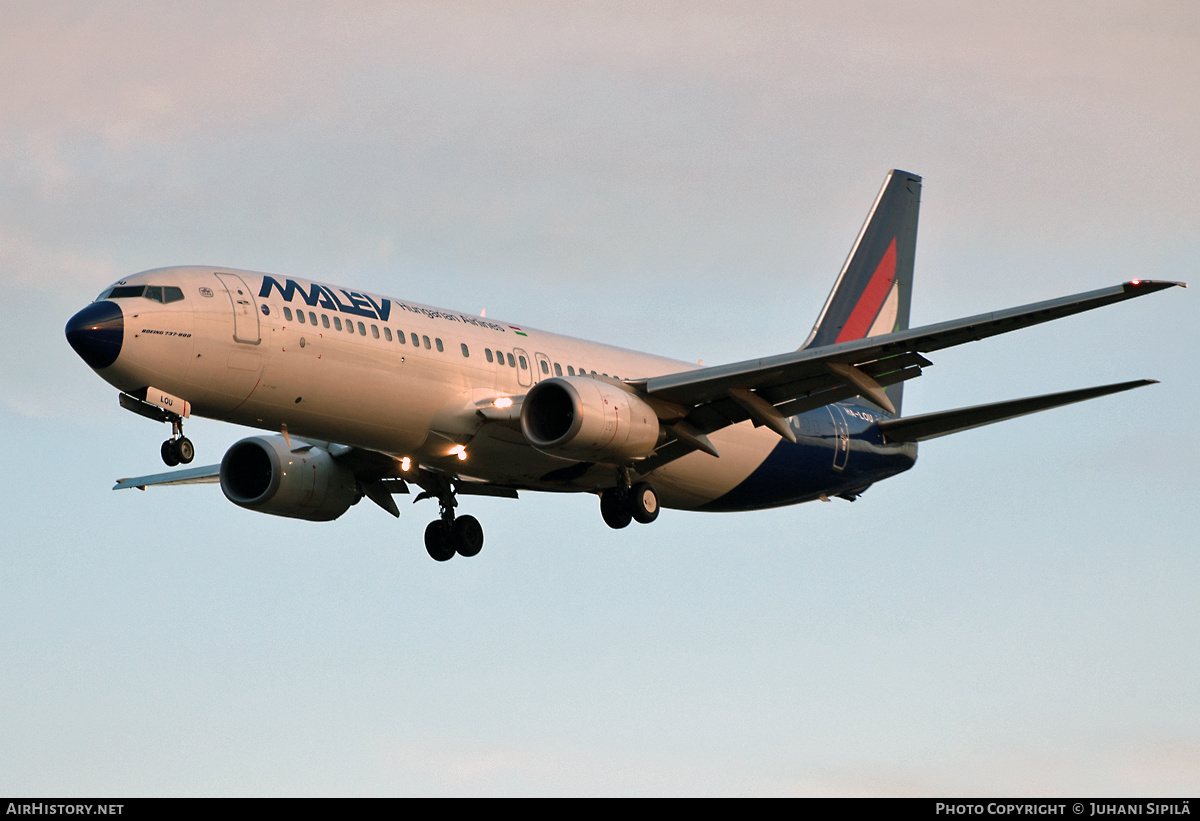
(588, 420)
(265, 474)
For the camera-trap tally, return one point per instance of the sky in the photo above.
(1017, 615)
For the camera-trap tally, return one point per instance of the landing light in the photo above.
(503, 402)
(460, 452)
(405, 464)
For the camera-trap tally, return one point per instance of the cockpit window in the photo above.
(123, 292)
(158, 293)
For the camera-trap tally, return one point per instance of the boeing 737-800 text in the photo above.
(369, 395)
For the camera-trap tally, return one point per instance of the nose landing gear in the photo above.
(178, 450)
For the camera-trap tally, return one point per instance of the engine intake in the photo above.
(263, 474)
(588, 419)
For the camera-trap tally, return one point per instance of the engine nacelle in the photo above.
(262, 473)
(589, 420)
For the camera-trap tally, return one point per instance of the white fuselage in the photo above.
(387, 375)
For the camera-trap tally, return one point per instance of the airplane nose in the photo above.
(96, 333)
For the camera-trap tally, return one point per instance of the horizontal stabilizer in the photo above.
(932, 425)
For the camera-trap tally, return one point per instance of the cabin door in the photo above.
(524, 368)
(841, 437)
(245, 312)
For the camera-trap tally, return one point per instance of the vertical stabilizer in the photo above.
(873, 293)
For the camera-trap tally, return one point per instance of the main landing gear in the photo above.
(178, 450)
(451, 534)
(624, 504)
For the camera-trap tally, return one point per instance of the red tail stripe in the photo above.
(872, 298)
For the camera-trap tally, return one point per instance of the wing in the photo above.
(206, 475)
(379, 476)
(366, 464)
(771, 389)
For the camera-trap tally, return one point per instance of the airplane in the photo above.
(371, 396)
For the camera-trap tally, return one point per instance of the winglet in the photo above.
(1151, 285)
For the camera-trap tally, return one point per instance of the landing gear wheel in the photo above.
(178, 449)
(643, 503)
(438, 542)
(615, 508)
(466, 535)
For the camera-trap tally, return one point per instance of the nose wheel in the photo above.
(178, 450)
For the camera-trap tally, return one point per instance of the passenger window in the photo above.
(416, 343)
(524, 364)
(300, 317)
(287, 314)
(487, 352)
(425, 339)
(312, 318)
(387, 334)
(362, 329)
(325, 320)
(570, 370)
(400, 337)
(439, 345)
(466, 353)
(557, 369)
(375, 331)
(512, 363)
(545, 367)
(337, 323)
